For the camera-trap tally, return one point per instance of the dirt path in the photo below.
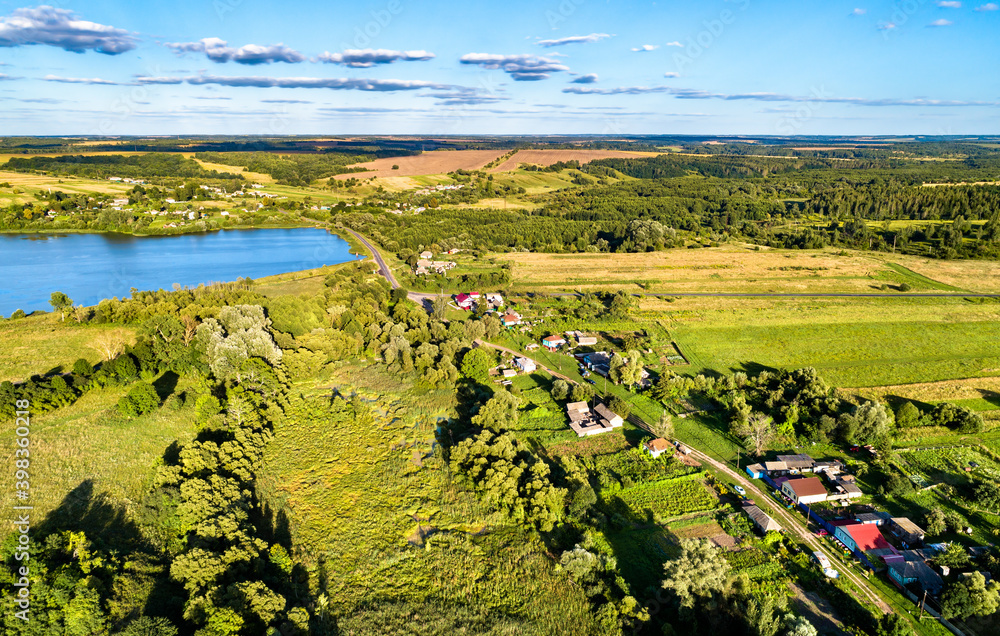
(480, 343)
(792, 524)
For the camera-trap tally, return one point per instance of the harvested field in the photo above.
(549, 157)
(732, 268)
(948, 390)
(434, 162)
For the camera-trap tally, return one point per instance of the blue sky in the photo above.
(513, 67)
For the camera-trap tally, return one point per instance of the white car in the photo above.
(740, 491)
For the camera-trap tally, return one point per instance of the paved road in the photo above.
(480, 343)
(383, 267)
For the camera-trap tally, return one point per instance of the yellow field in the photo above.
(254, 177)
(549, 157)
(734, 268)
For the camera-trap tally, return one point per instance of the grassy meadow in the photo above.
(373, 512)
(41, 343)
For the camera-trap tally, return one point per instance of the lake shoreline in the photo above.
(99, 265)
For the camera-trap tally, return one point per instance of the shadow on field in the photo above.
(103, 521)
(166, 384)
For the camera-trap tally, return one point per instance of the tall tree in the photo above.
(60, 302)
(699, 571)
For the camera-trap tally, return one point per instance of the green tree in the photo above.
(988, 495)
(582, 393)
(698, 572)
(907, 415)
(147, 626)
(664, 427)
(560, 389)
(893, 624)
(476, 364)
(970, 597)
(762, 617)
(60, 302)
(935, 522)
(499, 412)
(141, 399)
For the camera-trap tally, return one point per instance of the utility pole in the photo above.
(923, 602)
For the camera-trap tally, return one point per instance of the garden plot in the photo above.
(669, 498)
(926, 467)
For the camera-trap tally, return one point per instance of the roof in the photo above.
(919, 571)
(907, 526)
(797, 461)
(867, 536)
(587, 340)
(775, 466)
(755, 468)
(806, 486)
(525, 362)
(605, 412)
(760, 518)
(511, 317)
(577, 406)
(872, 516)
(553, 339)
(659, 444)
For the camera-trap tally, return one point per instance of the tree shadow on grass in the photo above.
(165, 385)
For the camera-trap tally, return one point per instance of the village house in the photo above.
(553, 342)
(527, 365)
(844, 487)
(760, 519)
(860, 538)
(585, 421)
(509, 373)
(494, 300)
(656, 447)
(906, 531)
(427, 255)
(872, 518)
(805, 490)
(911, 569)
(465, 301)
(425, 266)
(510, 319)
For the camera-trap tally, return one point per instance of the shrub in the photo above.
(83, 368)
(140, 400)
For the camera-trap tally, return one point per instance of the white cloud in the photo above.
(694, 93)
(646, 47)
(941, 22)
(675, 43)
(574, 39)
(522, 68)
(887, 26)
(79, 80)
(989, 6)
(63, 29)
(949, 4)
(589, 78)
(342, 83)
(366, 58)
(859, 12)
(219, 50)
(671, 74)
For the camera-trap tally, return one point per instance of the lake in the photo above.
(91, 267)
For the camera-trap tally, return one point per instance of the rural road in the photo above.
(420, 298)
(480, 343)
(791, 524)
(788, 520)
(383, 267)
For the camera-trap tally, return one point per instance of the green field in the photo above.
(82, 465)
(888, 342)
(374, 514)
(40, 343)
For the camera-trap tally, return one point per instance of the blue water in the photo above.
(91, 267)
